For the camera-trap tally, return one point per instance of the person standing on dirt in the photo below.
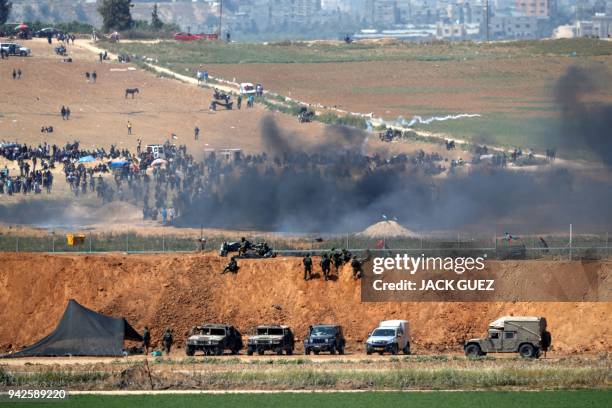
(63, 112)
(94, 77)
(307, 261)
(326, 266)
(167, 340)
(196, 133)
(146, 340)
(129, 128)
(18, 73)
(14, 74)
(239, 101)
(67, 113)
(87, 76)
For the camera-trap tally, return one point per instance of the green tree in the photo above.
(156, 22)
(116, 14)
(5, 10)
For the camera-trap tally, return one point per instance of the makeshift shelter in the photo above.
(83, 332)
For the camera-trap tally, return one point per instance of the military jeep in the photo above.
(213, 339)
(271, 337)
(511, 334)
(324, 337)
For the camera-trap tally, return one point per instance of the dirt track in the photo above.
(180, 291)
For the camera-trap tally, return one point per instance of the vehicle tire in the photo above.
(381, 352)
(369, 352)
(218, 351)
(473, 350)
(332, 350)
(235, 351)
(527, 351)
(250, 351)
(307, 351)
(289, 351)
(394, 349)
(316, 352)
(279, 351)
(190, 351)
(260, 352)
(341, 350)
(406, 349)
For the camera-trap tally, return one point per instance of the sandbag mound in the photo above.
(386, 229)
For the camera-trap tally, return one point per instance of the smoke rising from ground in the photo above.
(586, 124)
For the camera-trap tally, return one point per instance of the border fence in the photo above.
(529, 246)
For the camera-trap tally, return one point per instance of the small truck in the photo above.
(525, 335)
(273, 337)
(214, 339)
(390, 336)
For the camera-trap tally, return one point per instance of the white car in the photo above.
(247, 88)
(390, 336)
(15, 49)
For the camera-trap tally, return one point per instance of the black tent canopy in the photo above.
(83, 332)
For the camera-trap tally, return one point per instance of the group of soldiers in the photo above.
(337, 258)
(167, 340)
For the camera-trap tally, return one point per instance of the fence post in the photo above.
(17, 244)
(90, 242)
(163, 243)
(127, 242)
(53, 242)
(570, 243)
(347, 241)
(607, 243)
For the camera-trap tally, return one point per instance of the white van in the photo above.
(390, 336)
(247, 88)
(156, 150)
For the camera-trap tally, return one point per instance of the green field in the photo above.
(542, 399)
(172, 52)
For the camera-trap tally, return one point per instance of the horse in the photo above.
(131, 91)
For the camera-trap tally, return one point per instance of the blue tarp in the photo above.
(86, 159)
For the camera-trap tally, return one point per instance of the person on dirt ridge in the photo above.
(326, 266)
(357, 268)
(196, 133)
(167, 340)
(245, 245)
(129, 127)
(146, 340)
(307, 261)
(232, 266)
(337, 259)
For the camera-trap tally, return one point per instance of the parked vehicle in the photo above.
(214, 339)
(15, 49)
(526, 335)
(324, 337)
(271, 337)
(247, 88)
(47, 31)
(156, 150)
(390, 336)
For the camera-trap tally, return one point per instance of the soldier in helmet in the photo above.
(146, 340)
(346, 256)
(326, 266)
(245, 245)
(167, 340)
(307, 261)
(357, 269)
(232, 266)
(337, 258)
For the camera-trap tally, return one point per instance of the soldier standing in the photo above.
(307, 261)
(337, 258)
(325, 266)
(146, 339)
(167, 341)
(357, 269)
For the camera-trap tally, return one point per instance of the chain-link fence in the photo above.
(528, 246)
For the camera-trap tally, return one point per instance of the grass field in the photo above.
(543, 399)
(510, 84)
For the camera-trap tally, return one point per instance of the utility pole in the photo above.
(487, 18)
(220, 18)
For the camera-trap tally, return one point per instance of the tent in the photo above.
(83, 332)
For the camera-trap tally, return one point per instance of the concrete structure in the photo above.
(538, 8)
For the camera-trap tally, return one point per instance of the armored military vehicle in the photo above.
(271, 337)
(214, 339)
(324, 337)
(511, 334)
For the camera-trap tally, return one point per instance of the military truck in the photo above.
(271, 337)
(526, 335)
(324, 337)
(214, 339)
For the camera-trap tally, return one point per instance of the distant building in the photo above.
(599, 26)
(538, 8)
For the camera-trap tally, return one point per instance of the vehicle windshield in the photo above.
(270, 331)
(213, 331)
(323, 331)
(384, 332)
(248, 88)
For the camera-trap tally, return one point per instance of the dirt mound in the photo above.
(386, 229)
(181, 290)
